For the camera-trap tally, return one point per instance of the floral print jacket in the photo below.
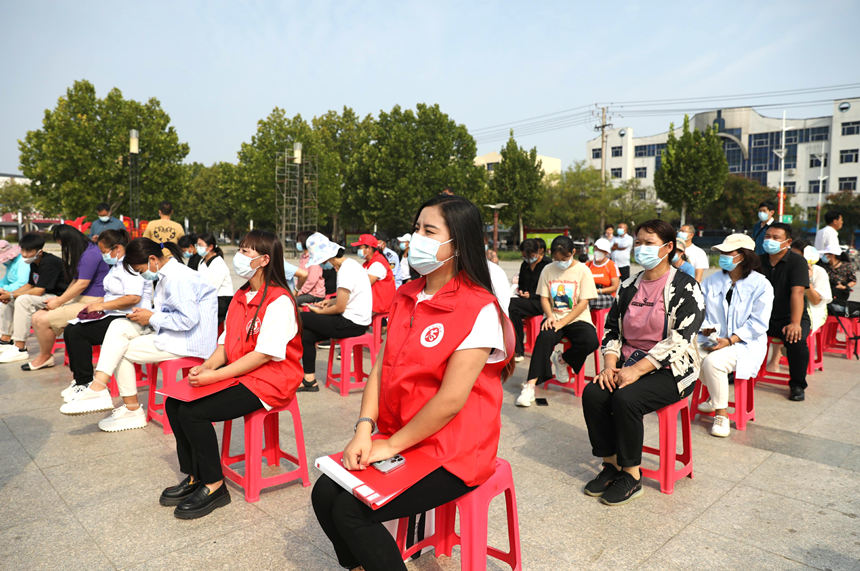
(685, 312)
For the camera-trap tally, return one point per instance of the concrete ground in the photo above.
(783, 494)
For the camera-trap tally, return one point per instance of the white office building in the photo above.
(749, 141)
(550, 165)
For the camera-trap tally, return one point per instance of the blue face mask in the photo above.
(763, 216)
(727, 262)
(327, 266)
(186, 255)
(299, 247)
(533, 260)
(422, 254)
(683, 236)
(675, 258)
(825, 258)
(108, 260)
(620, 232)
(648, 256)
(104, 218)
(363, 253)
(201, 251)
(403, 245)
(563, 264)
(772, 246)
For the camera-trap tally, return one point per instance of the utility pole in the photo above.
(781, 154)
(820, 156)
(602, 128)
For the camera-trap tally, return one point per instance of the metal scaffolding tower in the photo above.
(296, 203)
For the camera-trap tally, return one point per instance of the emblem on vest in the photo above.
(256, 329)
(432, 335)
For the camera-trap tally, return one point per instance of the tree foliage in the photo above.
(216, 198)
(516, 180)
(80, 155)
(693, 169)
(735, 208)
(848, 203)
(16, 197)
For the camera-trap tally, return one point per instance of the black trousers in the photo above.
(583, 342)
(614, 419)
(356, 531)
(223, 306)
(316, 327)
(80, 339)
(797, 353)
(519, 310)
(307, 298)
(624, 271)
(196, 441)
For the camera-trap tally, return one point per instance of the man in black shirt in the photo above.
(527, 304)
(788, 273)
(47, 280)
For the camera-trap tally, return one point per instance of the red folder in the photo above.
(373, 487)
(181, 390)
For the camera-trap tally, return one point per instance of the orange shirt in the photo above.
(603, 274)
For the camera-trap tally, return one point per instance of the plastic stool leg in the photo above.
(668, 443)
(300, 442)
(253, 457)
(272, 439)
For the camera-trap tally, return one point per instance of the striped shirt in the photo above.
(186, 312)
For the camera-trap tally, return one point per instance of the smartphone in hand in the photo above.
(390, 464)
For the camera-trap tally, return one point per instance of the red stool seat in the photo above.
(666, 473)
(258, 424)
(744, 403)
(172, 371)
(833, 327)
(351, 375)
(472, 539)
(577, 380)
(531, 326)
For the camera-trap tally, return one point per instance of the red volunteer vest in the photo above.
(420, 341)
(383, 290)
(275, 382)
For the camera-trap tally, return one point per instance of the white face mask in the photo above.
(422, 254)
(599, 256)
(242, 265)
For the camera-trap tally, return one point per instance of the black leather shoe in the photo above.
(308, 387)
(175, 495)
(796, 394)
(201, 502)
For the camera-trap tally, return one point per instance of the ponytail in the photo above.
(139, 250)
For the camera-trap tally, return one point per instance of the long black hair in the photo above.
(111, 238)
(73, 244)
(209, 239)
(139, 250)
(465, 227)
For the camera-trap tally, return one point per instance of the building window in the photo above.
(813, 187)
(643, 195)
(595, 153)
(615, 173)
(815, 162)
(790, 137)
(491, 166)
(641, 172)
(640, 151)
(851, 128)
(790, 187)
(848, 155)
(848, 183)
(819, 133)
(760, 140)
(616, 151)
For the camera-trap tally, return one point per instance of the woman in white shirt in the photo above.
(738, 301)
(123, 292)
(347, 315)
(215, 272)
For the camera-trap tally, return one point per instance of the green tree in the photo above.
(80, 155)
(735, 208)
(16, 197)
(516, 180)
(409, 157)
(230, 212)
(848, 203)
(693, 170)
(574, 200)
(632, 203)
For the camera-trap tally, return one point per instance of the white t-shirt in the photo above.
(486, 332)
(501, 286)
(217, 274)
(403, 273)
(697, 257)
(621, 256)
(827, 239)
(278, 328)
(118, 283)
(820, 282)
(351, 276)
(377, 270)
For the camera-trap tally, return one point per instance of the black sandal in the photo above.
(308, 387)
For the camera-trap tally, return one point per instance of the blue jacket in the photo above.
(17, 274)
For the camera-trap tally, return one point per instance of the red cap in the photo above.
(366, 240)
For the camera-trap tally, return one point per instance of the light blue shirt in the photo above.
(186, 312)
(290, 272)
(748, 316)
(17, 274)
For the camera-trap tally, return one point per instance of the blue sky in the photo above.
(219, 67)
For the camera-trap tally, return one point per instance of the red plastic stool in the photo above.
(666, 473)
(172, 371)
(531, 325)
(256, 424)
(376, 327)
(577, 380)
(816, 352)
(598, 318)
(772, 377)
(348, 379)
(835, 325)
(474, 508)
(744, 403)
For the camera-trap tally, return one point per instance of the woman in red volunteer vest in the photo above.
(259, 351)
(379, 272)
(437, 386)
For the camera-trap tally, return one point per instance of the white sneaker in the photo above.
(66, 392)
(10, 356)
(7, 347)
(559, 366)
(519, 358)
(76, 390)
(88, 400)
(527, 395)
(706, 407)
(721, 426)
(123, 419)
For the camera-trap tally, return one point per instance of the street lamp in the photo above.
(821, 178)
(495, 208)
(133, 177)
